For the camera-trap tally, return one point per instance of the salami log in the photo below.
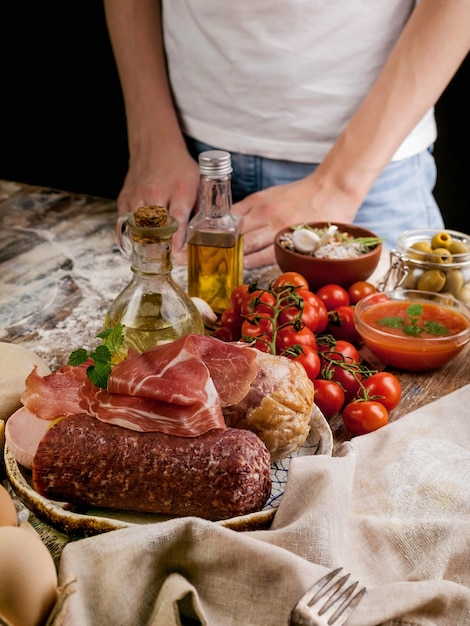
(220, 474)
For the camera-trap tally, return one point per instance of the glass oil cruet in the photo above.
(215, 242)
(153, 308)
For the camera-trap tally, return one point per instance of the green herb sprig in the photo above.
(99, 371)
(412, 325)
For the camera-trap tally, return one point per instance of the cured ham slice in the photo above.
(55, 394)
(188, 419)
(177, 388)
(170, 371)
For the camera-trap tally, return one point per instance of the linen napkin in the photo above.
(393, 510)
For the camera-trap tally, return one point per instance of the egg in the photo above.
(8, 515)
(28, 577)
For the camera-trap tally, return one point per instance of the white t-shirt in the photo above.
(280, 78)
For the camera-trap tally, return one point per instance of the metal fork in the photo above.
(338, 606)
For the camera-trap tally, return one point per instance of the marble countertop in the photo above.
(60, 269)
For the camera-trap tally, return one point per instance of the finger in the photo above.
(243, 206)
(128, 202)
(258, 239)
(181, 214)
(180, 257)
(260, 258)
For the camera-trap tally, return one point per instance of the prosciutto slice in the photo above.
(171, 371)
(177, 388)
(55, 394)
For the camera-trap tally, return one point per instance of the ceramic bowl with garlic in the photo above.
(326, 253)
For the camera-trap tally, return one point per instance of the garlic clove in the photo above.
(305, 240)
(329, 235)
(208, 316)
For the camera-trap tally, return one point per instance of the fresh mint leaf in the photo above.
(99, 374)
(415, 310)
(412, 329)
(113, 337)
(101, 355)
(391, 322)
(434, 328)
(77, 357)
(112, 340)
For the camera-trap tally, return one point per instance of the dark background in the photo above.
(62, 120)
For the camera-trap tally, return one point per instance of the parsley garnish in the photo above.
(411, 325)
(111, 341)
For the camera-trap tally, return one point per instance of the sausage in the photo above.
(220, 474)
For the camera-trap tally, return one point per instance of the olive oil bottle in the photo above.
(215, 242)
(153, 308)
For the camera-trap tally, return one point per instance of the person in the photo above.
(326, 108)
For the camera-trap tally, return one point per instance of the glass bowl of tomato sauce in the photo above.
(413, 330)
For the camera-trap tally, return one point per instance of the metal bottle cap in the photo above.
(215, 163)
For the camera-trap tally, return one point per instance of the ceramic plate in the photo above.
(83, 523)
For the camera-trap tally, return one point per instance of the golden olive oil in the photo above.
(215, 268)
(214, 235)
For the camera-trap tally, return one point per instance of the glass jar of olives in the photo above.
(431, 260)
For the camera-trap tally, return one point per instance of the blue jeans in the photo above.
(401, 198)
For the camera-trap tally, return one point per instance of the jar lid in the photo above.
(215, 163)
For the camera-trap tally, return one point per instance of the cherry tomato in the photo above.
(291, 336)
(363, 417)
(314, 300)
(257, 326)
(359, 290)
(258, 332)
(341, 324)
(309, 358)
(237, 296)
(333, 296)
(290, 279)
(329, 397)
(233, 321)
(348, 380)
(343, 348)
(258, 301)
(307, 314)
(383, 387)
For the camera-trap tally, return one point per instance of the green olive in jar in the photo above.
(422, 248)
(458, 247)
(454, 282)
(412, 276)
(464, 294)
(441, 240)
(440, 255)
(432, 280)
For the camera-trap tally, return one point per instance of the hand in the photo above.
(266, 212)
(170, 179)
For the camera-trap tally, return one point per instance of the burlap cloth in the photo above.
(394, 510)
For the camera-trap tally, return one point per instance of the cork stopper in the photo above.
(147, 218)
(151, 216)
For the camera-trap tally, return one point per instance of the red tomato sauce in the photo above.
(413, 353)
(453, 321)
